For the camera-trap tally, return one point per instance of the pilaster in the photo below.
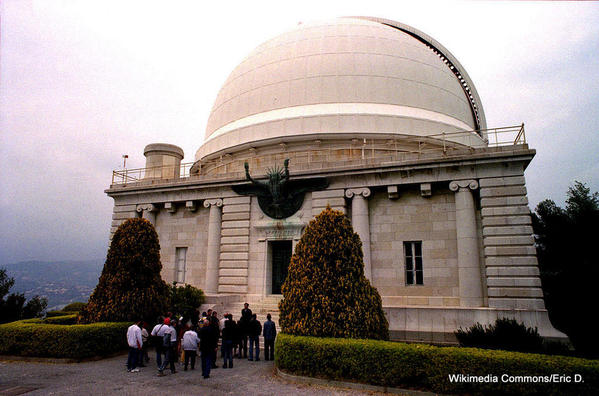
(469, 271)
(214, 240)
(361, 222)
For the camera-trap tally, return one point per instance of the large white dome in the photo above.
(346, 76)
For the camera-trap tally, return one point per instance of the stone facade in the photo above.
(469, 212)
(394, 123)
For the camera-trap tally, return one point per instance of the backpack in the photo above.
(166, 340)
(156, 340)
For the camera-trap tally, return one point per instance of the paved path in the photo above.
(110, 377)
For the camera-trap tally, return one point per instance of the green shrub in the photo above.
(326, 293)
(69, 319)
(185, 300)
(74, 307)
(427, 367)
(32, 337)
(505, 334)
(130, 286)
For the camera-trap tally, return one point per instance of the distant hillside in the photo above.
(61, 282)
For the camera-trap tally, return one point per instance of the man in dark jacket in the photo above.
(244, 322)
(270, 332)
(228, 338)
(246, 312)
(208, 344)
(255, 329)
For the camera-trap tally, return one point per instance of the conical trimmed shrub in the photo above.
(326, 293)
(130, 285)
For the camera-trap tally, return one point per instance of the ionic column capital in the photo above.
(210, 202)
(461, 185)
(362, 191)
(146, 207)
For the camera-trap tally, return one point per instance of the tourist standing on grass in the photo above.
(208, 345)
(135, 342)
(270, 332)
(190, 346)
(255, 329)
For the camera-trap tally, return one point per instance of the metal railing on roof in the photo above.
(354, 152)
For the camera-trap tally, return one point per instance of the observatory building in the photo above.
(377, 120)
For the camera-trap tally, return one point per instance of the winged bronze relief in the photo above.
(279, 197)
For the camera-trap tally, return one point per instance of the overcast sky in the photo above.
(82, 83)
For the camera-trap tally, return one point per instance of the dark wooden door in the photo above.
(281, 255)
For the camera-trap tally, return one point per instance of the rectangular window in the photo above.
(180, 260)
(413, 254)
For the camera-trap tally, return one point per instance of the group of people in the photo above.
(173, 338)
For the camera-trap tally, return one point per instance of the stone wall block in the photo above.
(502, 181)
(235, 272)
(234, 263)
(236, 216)
(519, 261)
(510, 251)
(328, 194)
(508, 240)
(505, 211)
(513, 282)
(236, 224)
(509, 230)
(506, 220)
(123, 215)
(503, 201)
(242, 247)
(518, 303)
(124, 208)
(502, 191)
(234, 240)
(236, 200)
(233, 256)
(232, 280)
(236, 208)
(333, 201)
(515, 292)
(512, 271)
(233, 289)
(235, 231)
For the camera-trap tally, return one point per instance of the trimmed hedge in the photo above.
(51, 314)
(33, 337)
(418, 366)
(74, 306)
(69, 319)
